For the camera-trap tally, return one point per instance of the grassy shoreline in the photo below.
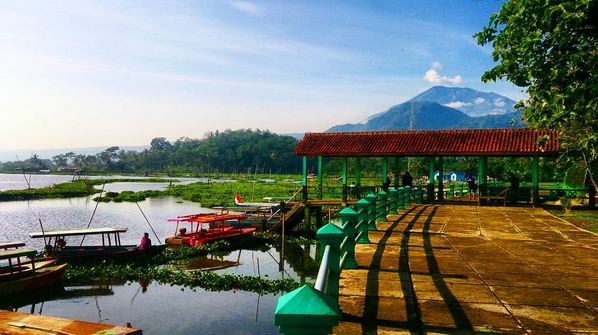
(77, 188)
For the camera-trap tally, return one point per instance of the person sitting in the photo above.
(514, 181)
(61, 243)
(182, 232)
(145, 243)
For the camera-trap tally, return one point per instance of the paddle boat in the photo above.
(217, 227)
(18, 276)
(56, 245)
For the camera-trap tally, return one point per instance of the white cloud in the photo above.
(479, 101)
(458, 104)
(437, 65)
(435, 78)
(499, 102)
(247, 7)
(497, 111)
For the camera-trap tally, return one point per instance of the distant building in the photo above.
(451, 175)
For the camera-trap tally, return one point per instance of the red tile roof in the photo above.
(462, 142)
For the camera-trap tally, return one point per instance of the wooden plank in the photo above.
(77, 231)
(23, 252)
(30, 324)
(12, 244)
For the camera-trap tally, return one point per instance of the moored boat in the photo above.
(111, 247)
(217, 228)
(18, 276)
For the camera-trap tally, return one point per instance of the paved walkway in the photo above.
(459, 269)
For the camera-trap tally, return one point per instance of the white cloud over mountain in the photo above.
(434, 77)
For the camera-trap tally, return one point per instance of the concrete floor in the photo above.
(462, 269)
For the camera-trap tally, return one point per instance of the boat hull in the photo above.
(212, 235)
(46, 276)
(97, 252)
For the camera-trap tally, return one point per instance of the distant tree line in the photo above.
(230, 151)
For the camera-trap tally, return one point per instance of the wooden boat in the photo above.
(111, 247)
(20, 276)
(218, 228)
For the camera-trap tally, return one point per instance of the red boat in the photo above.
(217, 228)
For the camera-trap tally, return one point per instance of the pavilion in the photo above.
(432, 144)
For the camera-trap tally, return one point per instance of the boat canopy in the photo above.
(208, 217)
(14, 253)
(77, 231)
(12, 244)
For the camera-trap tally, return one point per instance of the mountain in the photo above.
(469, 101)
(496, 111)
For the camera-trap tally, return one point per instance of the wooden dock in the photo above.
(15, 323)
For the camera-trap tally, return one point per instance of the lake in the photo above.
(161, 309)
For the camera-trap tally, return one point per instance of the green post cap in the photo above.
(370, 196)
(381, 192)
(392, 190)
(330, 231)
(347, 211)
(306, 306)
(362, 203)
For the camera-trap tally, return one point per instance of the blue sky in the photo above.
(88, 73)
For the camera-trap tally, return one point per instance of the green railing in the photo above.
(315, 310)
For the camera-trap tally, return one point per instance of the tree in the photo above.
(550, 47)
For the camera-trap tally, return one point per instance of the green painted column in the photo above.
(397, 171)
(431, 169)
(381, 206)
(451, 192)
(349, 220)
(363, 220)
(332, 235)
(304, 179)
(320, 176)
(482, 174)
(306, 306)
(371, 198)
(461, 189)
(384, 170)
(440, 178)
(358, 171)
(535, 181)
(392, 201)
(401, 197)
(407, 196)
(345, 173)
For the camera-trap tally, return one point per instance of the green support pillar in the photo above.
(363, 220)
(482, 174)
(345, 173)
(431, 179)
(535, 181)
(320, 176)
(392, 201)
(384, 170)
(349, 220)
(397, 171)
(371, 198)
(358, 171)
(440, 178)
(304, 179)
(407, 196)
(381, 206)
(401, 197)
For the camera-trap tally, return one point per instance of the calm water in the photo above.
(17, 182)
(161, 309)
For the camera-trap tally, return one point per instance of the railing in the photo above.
(315, 310)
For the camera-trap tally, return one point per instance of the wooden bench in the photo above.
(500, 196)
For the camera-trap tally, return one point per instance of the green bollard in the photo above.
(460, 190)
(363, 220)
(371, 198)
(407, 196)
(451, 190)
(381, 206)
(349, 220)
(401, 197)
(392, 201)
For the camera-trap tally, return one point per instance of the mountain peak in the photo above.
(469, 101)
